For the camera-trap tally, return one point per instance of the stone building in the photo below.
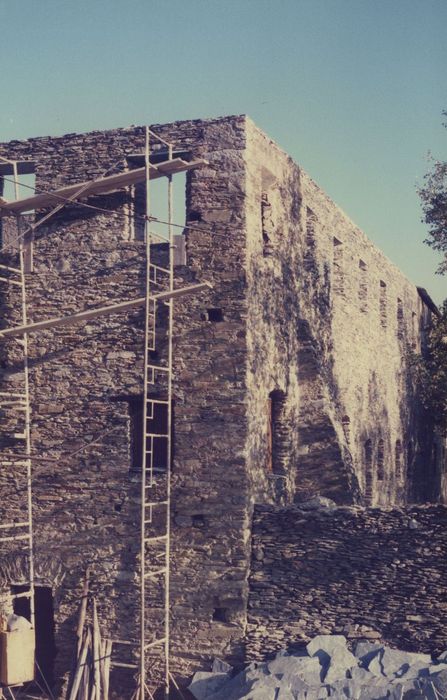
(291, 379)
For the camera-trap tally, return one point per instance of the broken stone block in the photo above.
(206, 683)
(334, 655)
(303, 667)
(220, 666)
(394, 663)
(365, 651)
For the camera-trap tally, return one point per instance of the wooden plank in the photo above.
(96, 645)
(83, 609)
(101, 311)
(104, 185)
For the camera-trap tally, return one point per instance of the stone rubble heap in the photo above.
(328, 669)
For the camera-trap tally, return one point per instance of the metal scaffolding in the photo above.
(154, 565)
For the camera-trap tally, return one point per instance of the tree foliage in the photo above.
(433, 196)
(431, 370)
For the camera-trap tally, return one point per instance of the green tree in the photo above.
(433, 196)
(432, 372)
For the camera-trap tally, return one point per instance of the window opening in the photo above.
(382, 304)
(11, 228)
(44, 628)
(381, 460)
(214, 315)
(158, 196)
(278, 433)
(267, 225)
(338, 281)
(368, 472)
(363, 286)
(346, 424)
(400, 319)
(220, 615)
(309, 254)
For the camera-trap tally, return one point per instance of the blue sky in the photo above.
(352, 89)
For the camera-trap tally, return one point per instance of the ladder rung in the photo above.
(155, 503)
(20, 436)
(9, 281)
(125, 641)
(17, 270)
(27, 594)
(120, 664)
(158, 572)
(156, 435)
(9, 393)
(155, 643)
(7, 525)
(160, 401)
(158, 267)
(159, 369)
(12, 404)
(15, 537)
(158, 538)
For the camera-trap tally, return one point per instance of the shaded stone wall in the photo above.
(364, 573)
(331, 322)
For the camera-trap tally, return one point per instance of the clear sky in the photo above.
(352, 89)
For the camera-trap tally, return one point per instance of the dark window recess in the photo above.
(194, 215)
(382, 304)
(214, 315)
(278, 433)
(381, 460)
(156, 428)
(363, 286)
(45, 640)
(346, 423)
(267, 225)
(309, 253)
(337, 266)
(368, 473)
(400, 320)
(198, 521)
(220, 615)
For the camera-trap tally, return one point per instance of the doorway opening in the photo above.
(44, 620)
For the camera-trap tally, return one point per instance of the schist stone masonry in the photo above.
(291, 383)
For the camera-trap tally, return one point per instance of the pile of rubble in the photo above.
(328, 669)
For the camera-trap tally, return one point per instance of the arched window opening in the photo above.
(381, 460)
(267, 225)
(346, 424)
(400, 320)
(363, 286)
(398, 459)
(278, 433)
(368, 472)
(382, 304)
(338, 278)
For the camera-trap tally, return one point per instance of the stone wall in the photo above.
(281, 322)
(331, 324)
(365, 573)
(82, 379)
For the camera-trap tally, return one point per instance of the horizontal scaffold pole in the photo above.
(101, 311)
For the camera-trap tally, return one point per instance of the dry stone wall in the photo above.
(365, 573)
